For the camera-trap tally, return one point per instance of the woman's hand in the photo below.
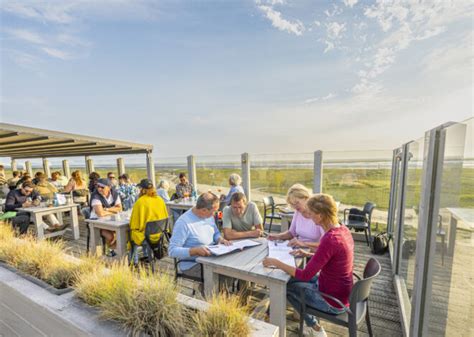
(296, 243)
(301, 253)
(270, 262)
(273, 237)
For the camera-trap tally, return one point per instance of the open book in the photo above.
(281, 251)
(221, 249)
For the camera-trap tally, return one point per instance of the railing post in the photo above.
(318, 172)
(120, 166)
(46, 168)
(28, 168)
(245, 160)
(66, 169)
(192, 171)
(150, 167)
(13, 165)
(393, 189)
(89, 165)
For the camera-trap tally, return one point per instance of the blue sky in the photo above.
(215, 77)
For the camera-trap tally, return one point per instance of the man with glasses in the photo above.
(112, 179)
(23, 197)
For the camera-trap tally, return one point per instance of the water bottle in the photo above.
(55, 200)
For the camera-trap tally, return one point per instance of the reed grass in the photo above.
(226, 317)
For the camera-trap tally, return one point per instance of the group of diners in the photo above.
(315, 233)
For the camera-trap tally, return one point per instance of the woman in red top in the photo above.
(333, 261)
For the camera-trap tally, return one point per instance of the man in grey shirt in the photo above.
(241, 219)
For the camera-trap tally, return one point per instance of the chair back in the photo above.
(86, 212)
(268, 203)
(369, 208)
(155, 227)
(361, 289)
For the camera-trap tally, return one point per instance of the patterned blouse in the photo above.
(184, 188)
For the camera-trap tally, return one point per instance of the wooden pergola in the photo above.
(21, 142)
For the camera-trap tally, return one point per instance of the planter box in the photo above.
(27, 309)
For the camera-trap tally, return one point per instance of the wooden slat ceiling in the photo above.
(20, 142)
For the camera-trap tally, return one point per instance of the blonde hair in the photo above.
(325, 206)
(297, 191)
(151, 192)
(76, 175)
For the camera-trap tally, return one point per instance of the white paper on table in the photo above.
(221, 249)
(281, 251)
(61, 198)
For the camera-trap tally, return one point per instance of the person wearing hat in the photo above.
(148, 207)
(106, 201)
(128, 191)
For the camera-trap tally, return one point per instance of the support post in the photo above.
(318, 172)
(150, 167)
(28, 168)
(13, 165)
(120, 166)
(66, 169)
(245, 160)
(192, 171)
(89, 165)
(46, 168)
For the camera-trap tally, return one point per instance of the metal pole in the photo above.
(245, 160)
(150, 167)
(66, 169)
(318, 172)
(192, 171)
(120, 166)
(46, 168)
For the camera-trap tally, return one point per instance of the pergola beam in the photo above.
(28, 140)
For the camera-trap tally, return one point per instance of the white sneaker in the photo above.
(307, 331)
(45, 226)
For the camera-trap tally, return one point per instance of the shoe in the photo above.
(111, 253)
(45, 227)
(296, 316)
(307, 331)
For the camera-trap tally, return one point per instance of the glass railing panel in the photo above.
(357, 177)
(416, 151)
(452, 302)
(213, 172)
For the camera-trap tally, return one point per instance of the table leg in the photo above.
(38, 220)
(452, 235)
(75, 223)
(278, 306)
(121, 242)
(94, 234)
(60, 217)
(211, 281)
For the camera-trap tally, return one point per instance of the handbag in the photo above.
(380, 243)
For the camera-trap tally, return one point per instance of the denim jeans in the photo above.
(312, 298)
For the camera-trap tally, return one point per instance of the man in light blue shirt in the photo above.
(193, 231)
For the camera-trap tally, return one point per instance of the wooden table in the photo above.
(247, 265)
(463, 215)
(37, 213)
(181, 205)
(120, 227)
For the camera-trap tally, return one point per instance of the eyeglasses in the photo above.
(111, 177)
(100, 186)
(27, 191)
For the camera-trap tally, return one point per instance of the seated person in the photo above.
(162, 191)
(78, 187)
(93, 177)
(113, 180)
(24, 178)
(235, 186)
(45, 189)
(193, 231)
(13, 181)
(25, 197)
(56, 181)
(184, 188)
(303, 231)
(241, 219)
(106, 201)
(128, 191)
(333, 261)
(36, 178)
(148, 207)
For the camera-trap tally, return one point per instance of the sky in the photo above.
(227, 77)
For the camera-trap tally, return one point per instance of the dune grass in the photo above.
(226, 317)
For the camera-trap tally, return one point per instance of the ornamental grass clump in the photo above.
(226, 317)
(141, 302)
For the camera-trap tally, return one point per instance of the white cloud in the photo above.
(280, 23)
(56, 53)
(26, 35)
(329, 46)
(323, 98)
(350, 3)
(335, 29)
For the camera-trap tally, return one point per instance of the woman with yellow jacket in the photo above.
(149, 207)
